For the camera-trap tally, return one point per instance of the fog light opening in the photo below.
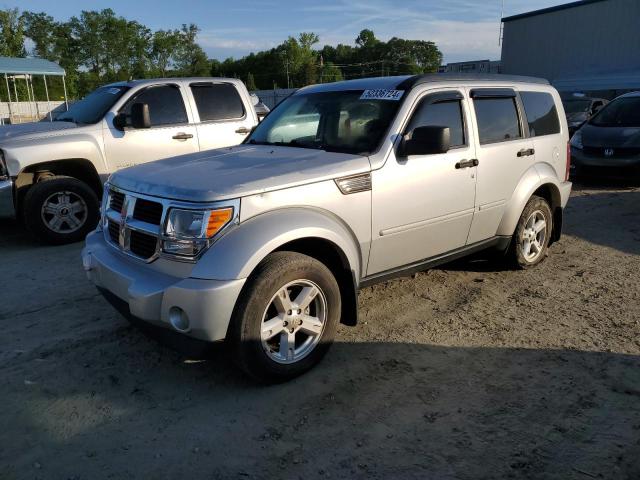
(179, 319)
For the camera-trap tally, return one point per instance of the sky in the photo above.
(462, 29)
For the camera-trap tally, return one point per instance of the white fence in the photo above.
(21, 112)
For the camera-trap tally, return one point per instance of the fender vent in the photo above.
(354, 184)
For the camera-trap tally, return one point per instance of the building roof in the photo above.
(557, 8)
(29, 66)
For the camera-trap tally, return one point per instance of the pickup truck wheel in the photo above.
(531, 238)
(286, 317)
(59, 210)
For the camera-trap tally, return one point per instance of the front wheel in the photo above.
(59, 210)
(286, 317)
(531, 238)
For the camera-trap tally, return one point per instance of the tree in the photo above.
(330, 73)
(251, 83)
(190, 59)
(164, 43)
(11, 33)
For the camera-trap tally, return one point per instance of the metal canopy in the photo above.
(29, 66)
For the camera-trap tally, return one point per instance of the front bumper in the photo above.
(7, 206)
(584, 164)
(160, 298)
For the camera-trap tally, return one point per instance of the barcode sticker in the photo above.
(382, 94)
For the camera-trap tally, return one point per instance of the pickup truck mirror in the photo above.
(425, 141)
(140, 115)
(120, 121)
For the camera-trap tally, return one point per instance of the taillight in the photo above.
(566, 173)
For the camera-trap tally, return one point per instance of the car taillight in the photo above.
(568, 169)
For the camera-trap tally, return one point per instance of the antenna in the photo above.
(501, 24)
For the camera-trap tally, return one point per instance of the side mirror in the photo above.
(595, 109)
(120, 121)
(140, 115)
(425, 141)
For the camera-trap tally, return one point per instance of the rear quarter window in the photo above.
(541, 113)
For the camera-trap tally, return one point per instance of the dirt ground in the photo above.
(468, 371)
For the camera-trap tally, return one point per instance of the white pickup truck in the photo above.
(51, 173)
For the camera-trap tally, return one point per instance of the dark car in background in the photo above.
(608, 144)
(579, 109)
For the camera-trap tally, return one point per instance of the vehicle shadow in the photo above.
(370, 410)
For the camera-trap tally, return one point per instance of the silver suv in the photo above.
(266, 244)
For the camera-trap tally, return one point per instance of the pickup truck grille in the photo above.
(133, 224)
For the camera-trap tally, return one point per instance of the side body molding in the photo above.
(536, 176)
(238, 252)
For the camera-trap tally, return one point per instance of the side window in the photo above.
(166, 106)
(497, 119)
(217, 101)
(446, 113)
(541, 113)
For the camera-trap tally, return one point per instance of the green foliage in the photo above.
(97, 47)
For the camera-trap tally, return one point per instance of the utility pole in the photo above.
(500, 28)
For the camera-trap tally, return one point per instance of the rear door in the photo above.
(504, 154)
(221, 116)
(170, 134)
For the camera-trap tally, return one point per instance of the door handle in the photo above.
(243, 130)
(182, 136)
(472, 162)
(525, 152)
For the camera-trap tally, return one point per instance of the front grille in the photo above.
(147, 211)
(142, 244)
(621, 152)
(114, 231)
(117, 199)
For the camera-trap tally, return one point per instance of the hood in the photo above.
(33, 129)
(236, 172)
(610, 137)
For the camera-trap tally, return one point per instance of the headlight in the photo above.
(576, 140)
(188, 232)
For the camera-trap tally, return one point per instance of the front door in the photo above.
(170, 134)
(423, 204)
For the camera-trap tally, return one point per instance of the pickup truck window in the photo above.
(217, 101)
(166, 106)
(93, 107)
(332, 121)
(497, 119)
(541, 113)
(446, 113)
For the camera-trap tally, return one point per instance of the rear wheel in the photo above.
(59, 210)
(286, 318)
(531, 238)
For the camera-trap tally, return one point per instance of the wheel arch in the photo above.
(303, 230)
(539, 181)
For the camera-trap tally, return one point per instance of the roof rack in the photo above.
(439, 77)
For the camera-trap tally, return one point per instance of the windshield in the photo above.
(331, 121)
(92, 108)
(623, 112)
(576, 106)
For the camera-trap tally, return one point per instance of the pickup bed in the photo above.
(51, 173)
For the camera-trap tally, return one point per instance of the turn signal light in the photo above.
(217, 220)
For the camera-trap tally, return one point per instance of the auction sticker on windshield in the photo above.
(382, 94)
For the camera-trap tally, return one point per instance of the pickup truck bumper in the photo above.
(197, 308)
(7, 207)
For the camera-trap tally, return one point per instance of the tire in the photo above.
(530, 242)
(267, 358)
(60, 210)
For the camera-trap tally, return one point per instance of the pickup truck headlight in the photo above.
(188, 232)
(4, 172)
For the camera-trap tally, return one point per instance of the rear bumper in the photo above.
(159, 298)
(7, 206)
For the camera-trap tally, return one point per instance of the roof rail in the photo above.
(439, 77)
